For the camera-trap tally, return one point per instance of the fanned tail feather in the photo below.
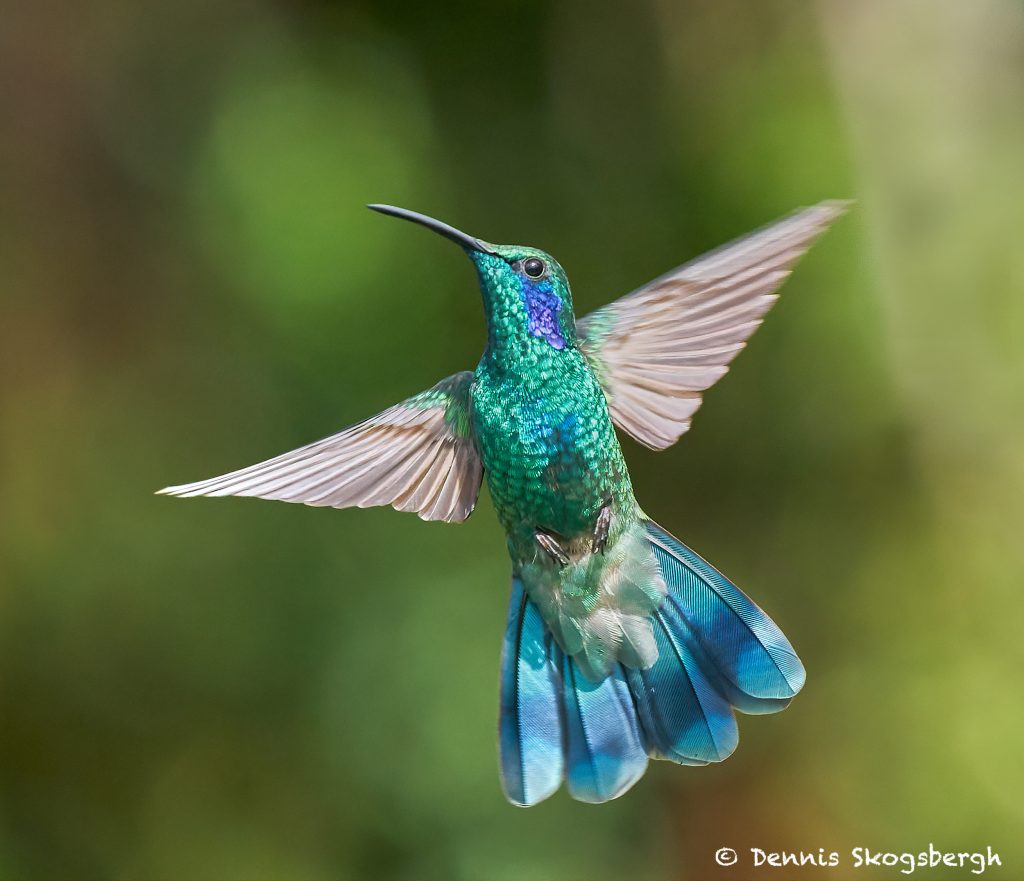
(604, 749)
(716, 651)
(556, 723)
(530, 726)
(757, 669)
(685, 718)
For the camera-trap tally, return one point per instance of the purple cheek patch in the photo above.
(543, 307)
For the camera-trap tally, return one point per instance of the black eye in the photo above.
(534, 268)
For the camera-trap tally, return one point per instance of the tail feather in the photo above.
(671, 616)
(744, 644)
(716, 650)
(531, 719)
(555, 722)
(684, 716)
(604, 749)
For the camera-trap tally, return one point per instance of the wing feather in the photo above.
(657, 349)
(416, 456)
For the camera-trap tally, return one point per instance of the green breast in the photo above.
(548, 446)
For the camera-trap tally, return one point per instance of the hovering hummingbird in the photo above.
(621, 643)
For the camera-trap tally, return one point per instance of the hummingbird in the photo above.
(621, 643)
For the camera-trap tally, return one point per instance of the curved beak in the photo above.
(449, 232)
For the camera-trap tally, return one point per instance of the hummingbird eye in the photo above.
(534, 267)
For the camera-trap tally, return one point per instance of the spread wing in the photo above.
(655, 350)
(416, 456)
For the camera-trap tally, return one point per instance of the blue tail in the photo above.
(556, 723)
(716, 650)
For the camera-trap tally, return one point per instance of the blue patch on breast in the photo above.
(543, 306)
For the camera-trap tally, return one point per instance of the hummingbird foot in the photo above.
(602, 527)
(551, 547)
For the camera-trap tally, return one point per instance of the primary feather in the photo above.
(416, 456)
(657, 349)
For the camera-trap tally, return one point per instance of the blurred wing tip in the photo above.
(176, 492)
(833, 208)
(183, 490)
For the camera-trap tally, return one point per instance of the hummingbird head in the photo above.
(526, 293)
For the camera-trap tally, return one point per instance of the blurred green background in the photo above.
(190, 283)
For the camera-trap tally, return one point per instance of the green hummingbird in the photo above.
(621, 643)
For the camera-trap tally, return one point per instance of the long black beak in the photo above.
(449, 232)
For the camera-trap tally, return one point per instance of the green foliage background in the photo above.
(237, 689)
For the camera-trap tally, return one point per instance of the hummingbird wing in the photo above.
(419, 456)
(657, 349)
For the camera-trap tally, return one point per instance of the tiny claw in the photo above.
(601, 528)
(552, 548)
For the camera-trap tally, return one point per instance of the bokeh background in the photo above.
(189, 283)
